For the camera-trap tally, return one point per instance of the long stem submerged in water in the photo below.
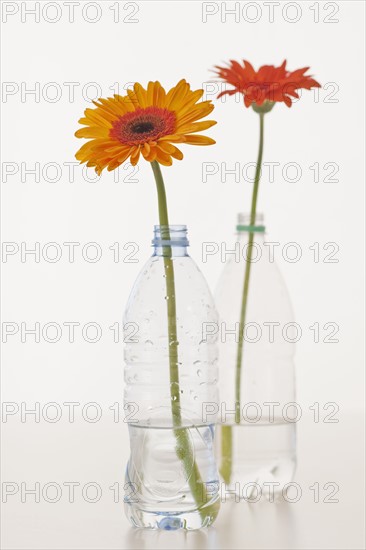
(184, 448)
(226, 431)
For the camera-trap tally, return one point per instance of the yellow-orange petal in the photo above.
(178, 94)
(112, 106)
(92, 132)
(141, 95)
(135, 155)
(163, 158)
(97, 116)
(199, 111)
(116, 150)
(196, 126)
(149, 154)
(173, 91)
(199, 140)
(113, 164)
(124, 156)
(86, 149)
(175, 138)
(150, 93)
(188, 102)
(170, 149)
(159, 95)
(132, 98)
(98, 166)
(121, 104)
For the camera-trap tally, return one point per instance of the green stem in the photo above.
(226, 445)
(248, 266)
(184, 449)
(170, 296)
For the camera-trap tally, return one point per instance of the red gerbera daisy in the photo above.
(269, 83)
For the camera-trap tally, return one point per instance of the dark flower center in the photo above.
(142, 127)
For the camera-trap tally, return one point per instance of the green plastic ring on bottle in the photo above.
(251, 228)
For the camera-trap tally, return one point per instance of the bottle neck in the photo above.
(245, 225)
(170, 241)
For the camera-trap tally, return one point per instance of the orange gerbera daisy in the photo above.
(145, 122)
(269, 83)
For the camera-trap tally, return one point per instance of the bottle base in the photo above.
(256, 459)
(190, 520)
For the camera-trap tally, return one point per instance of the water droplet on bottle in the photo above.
(149, 343)
(199, 372)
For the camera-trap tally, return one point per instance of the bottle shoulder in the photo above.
(192, 293)
(267, 287)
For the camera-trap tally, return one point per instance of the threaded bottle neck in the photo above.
(170, 240)
(244, 225)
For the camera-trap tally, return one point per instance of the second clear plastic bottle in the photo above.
(261, 447)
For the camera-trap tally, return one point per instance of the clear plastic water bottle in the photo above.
(259, 447)
(171, 400)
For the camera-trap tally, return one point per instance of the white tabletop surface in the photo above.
(80, 452)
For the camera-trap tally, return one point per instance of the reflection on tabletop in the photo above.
(239, 526)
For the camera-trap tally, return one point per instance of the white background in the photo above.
(170, 41)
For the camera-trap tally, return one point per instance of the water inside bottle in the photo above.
(158, 493)
(263, 454)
